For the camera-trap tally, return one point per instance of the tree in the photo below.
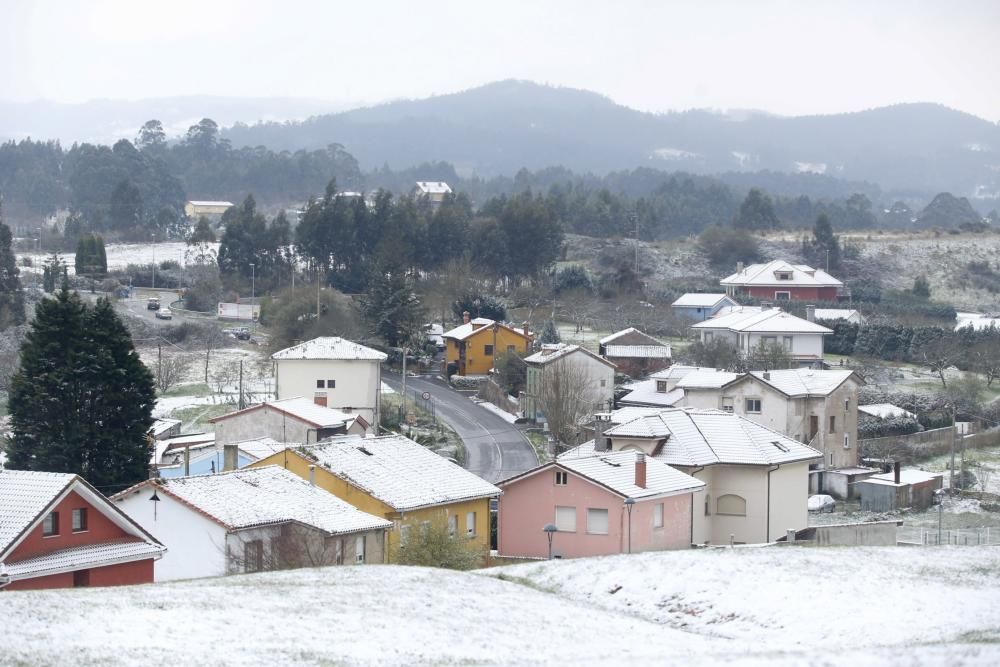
(151, 136)
(480, 305)
(291, 316)
(205, 290)
(769, 356)
(82, 400)
(91, 258)
(724, 246)
(568, 394)
(985, 358)
(204, 136)
(716, 353)
(53, 269)
(756, 212)
(824, 248)
(11, 294)
(393, 310)
(126, 206)
(921, 287)
(939, 354)
(202, 232)
(171, 369)
(434, 545)
(573, 277)
(251, 250)
(550, 334)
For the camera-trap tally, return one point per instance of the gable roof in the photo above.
(27, 496)
(772, 320)
(885, 411)
(398, 471)
(330, 347)
(676, 372)
(264, 496)
(706, 378)
(637, 351)
(550, 353)
(832, 314)
(433, 187)
(644, 393)
(765, 274)
(699, 300)
(631, 331)
(197, 202)
(806, 381)
(477, 324)
(299, 408)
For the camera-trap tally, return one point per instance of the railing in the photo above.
(954, 536)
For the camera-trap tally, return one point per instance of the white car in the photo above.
(164, 314)
(821, 503)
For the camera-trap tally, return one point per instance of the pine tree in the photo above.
(392, 309)
(82, 399)
(11, 294)
(549, 333)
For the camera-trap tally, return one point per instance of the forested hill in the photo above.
(501, 127)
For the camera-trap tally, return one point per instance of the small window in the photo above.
(658, 515)
(562, 477)
(566, 519)
(731, 505)
(786, 342)
(661, 386)
(769, 340)
(50, 525)
(320, 384)
(752, 405)
(488, 350)
(847, 441)
(359, 549)
(470, 524)
(784, 275)
(727, 404)
(330, 384)
(511, 349)
(708, 505)
(80, 520)
(597, 521)
(833, 424)
(604, 383)
(847, 405)
(782, 296)
(707, 338)
(452, 525)
(338, 552)
(81, 579)
(253, 556)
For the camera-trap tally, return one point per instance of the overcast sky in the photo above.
(786, 57)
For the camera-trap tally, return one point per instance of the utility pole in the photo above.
(159, 361)
(954, 432)
(635, 221)
(154, 261)
(317, 294)
(253, 294)
(242, 403)
(404, 383)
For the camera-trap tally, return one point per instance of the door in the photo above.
(81, 579)
(813, 426)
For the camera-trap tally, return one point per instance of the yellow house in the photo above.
(396, 478)
(473, 346)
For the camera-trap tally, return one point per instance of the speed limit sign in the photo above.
(426, 395)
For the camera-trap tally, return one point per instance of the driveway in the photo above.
(494, 449)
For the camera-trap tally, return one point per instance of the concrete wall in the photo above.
(789, 499)
(358, 383)
(874, 534)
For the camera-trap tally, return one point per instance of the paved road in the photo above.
(494, 448)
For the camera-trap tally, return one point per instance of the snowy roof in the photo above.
(263, 496)
(259, 448)
(706, 437)
(161, 426)
(300, 408)
(463, 331)
(433, 187)
(90, 556)
(644, 393)
(978, 322)
(675, 372)
(706, 378)
(649, 426)
(698, 300)
(330, 347)
(398, 471)
(836, 313)
(767, 274)
(885, 411)
(728, 310)
(805, 381)
(186, 440)
(637, 351)
(210, 203)
(550, 353)
(772, 320)
(905, 477)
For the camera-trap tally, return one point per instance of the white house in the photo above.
(250, 520)
(435, 191)
(288, 420)
(802, 339)
(585, 373)
(700, 307)
(659, 389)
(335, 372)
(756, 480)
(836, 314)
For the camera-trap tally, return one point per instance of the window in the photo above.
(658, 515)
(338, 552)
(81, 579)
(782, 296)
(253, 556)
(330, 384)
(470, 524)
(752, 405)
(708, 505)
(566, 519)
(604, 383)
(784, 275)
(597, 521)
(404, 536)
(50, 525)
(488, 350)
(359, 549)
(769, 340)
(786, 342)
(731, 505)
(727, 404)
(661, 386)
(562, 477)
(320, 384)
(80, 520)
(707, 338)
(452, 525)
(847, 405)
(847, 441)
(833, 423)
(511, 349)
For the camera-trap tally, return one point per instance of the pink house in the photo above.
(585, 499)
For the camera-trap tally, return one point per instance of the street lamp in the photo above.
(550, 530)
(629, 502)
(253, 293)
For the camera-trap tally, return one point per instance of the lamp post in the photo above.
(629, 502)
(550, 530)
(253, 294)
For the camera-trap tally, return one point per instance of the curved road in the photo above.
(494, 449)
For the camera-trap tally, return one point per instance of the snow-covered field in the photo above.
(121, 255)
(789, 606)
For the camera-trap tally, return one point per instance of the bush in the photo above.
(573, 278)
(480, 305)
(430, 545)
(724, 246)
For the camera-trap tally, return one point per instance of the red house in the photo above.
(57, 531)
(781, 281)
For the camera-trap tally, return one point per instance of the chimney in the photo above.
(230, 457)
(312, 474)
(896, 469)
(640, 470)
(465, 317)
(767, 375)
(319, 398)
(187, 461)
(811, 313)
(739, 267)
(602, 443)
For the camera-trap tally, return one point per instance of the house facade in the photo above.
(700, 307)
(782, 281)
(399, 480)
(196, 209)
(584, 498)
(584, 373)
(57, 531)
(802, 339)
(635, 353)
(472, 348)
(333, 372)
(251, 520)
(435, 191)
(298, 420)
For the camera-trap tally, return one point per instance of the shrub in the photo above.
(430, 545)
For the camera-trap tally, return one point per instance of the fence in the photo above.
(955, 536)
(416, 399)
(926, 444)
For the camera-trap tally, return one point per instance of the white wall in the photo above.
(196, 545)
(803, 344)
(358, 383)
(789, 498)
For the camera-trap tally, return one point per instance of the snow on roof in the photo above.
(399, 471)
(24, 495)
(804, 381)
(269, 495)
(905, 477)
(698, 300)
(463, 331)
(836, 313)
(648, 426)
(186, 440)
(161, 426)
(675, 372)
(729, 310)
(767, 274)
(706, 378)
(259, 448)
(89, 556)
(637, 351)
(885, 411)
(299, 408)
(616, 335)
(210, 203)
(644, 393)
(433, 187)
(616, 471)
(552, 352)
(330, 347)
(772, 320)
(978, 322)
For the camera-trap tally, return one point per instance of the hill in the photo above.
(504, 126)
(786, 606)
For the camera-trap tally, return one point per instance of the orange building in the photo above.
(470, 349)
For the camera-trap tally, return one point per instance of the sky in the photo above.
(789, 58)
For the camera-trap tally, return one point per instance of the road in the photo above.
(494, 448)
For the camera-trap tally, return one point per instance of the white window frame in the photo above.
(661, 386)
(470, 524)
(734, 511)
(658, 515)
(746, 406)
(561, 478)
(787, 342)
(567, 524)
(359, 549)
(78, 520)
(847, 441)
(727, 404)
(787, 295)
(404, 536)
(452, 525)
(597, 518)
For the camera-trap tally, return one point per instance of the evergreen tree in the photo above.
(756, 212)
(91, 258)
(549, 333)
(824, 248)
(392, 309)
(52, 271)
(11, 294)
(82, 400)
(921, 287)
(202, 232)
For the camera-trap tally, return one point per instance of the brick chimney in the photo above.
(896, 469)
(811, 313)
(640, 470)
(465, 317)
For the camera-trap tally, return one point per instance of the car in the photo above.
(153, 304)
(239, 333)
(821, 503)
(164, 314)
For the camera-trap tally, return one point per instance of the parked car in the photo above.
(153, 303)
(822, 503)
(164, 314)
(239, 333)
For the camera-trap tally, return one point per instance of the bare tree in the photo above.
(567, 396)
(434, 544)
(289, 547)
(985, 358)
(225, 374)
(941, 354)
(10, 354)
(170, 369)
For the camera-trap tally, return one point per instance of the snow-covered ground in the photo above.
(786, 606)
(121, 255)
(486, 405)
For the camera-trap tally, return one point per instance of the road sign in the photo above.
(426, 395)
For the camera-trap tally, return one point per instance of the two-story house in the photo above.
(700, 307)
(570, 367)
(472, 347)
(634, 352)
(782, 281)
(335, 373)
(298, 420)
(435, 191)
(802, 339)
